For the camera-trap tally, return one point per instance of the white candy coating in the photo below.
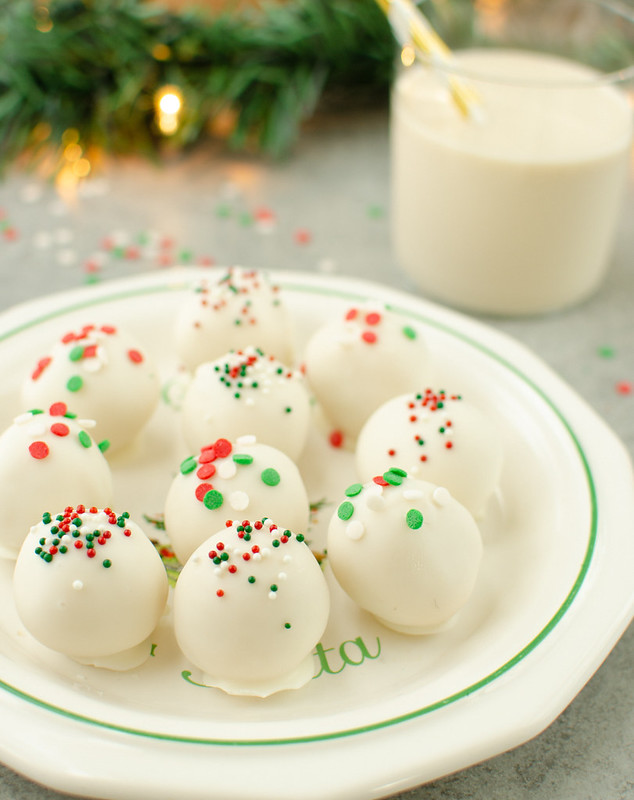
(93, 591)
(438, 437)
(240, 308)
(230, 481)
(102, 373)
(247, 393)
(47, 460)
(249, 607)
(357, 362)
(410, 560)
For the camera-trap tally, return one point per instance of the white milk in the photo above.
(514, 213)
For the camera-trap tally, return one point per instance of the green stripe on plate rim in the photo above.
(453, 698)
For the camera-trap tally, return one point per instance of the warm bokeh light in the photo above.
(168, 103)
(408, 55)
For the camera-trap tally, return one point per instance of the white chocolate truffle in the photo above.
(239, 309)
(405, 551)
(47, 460)
(247, 393)
(438, 437)
(91, 585)
(103, 374)
(227, 480)
(249, 607)
(356, 363)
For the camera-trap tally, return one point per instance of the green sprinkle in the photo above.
(287, 625)
(354, 489)
(77, 353)
(243, 458)
(273, 587)
(275, 542)
(393, 478)
(104, 445)
(300, 537)
(107, 563)
(606, 351)
(270, 476)
(345, 510)
(224, 556)
(288, 410)
(251, 579)
(74, 383)
(84, 439)
(398, 471)
(213, 499)
(375, 211)
(188, 465)
(63, 549)
(223, 211)
(414, 519)
(409, 332)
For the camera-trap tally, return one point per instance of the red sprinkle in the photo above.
(206, 471)
(202, 490)
(38, 450)
(220, 593)
(369, 337)
(135, 356)
(373, 318)
(59, 429)
(352, 314)
(42, 364)
(380, 480)
(336, 438)
(58, 409)
(222, 448)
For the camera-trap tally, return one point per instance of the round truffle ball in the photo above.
(47, 459)
(90, 584)
(436, 436)
(103, 374)
(405, 551)
(357, 362)
(250, 605)
(227, 479)
(247, 393)
(240, 308)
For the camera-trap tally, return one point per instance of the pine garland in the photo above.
(95, 66)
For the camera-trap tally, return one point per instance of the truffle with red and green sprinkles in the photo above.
(104, 374)
(90, 584)
(359, 360)
(250, 606)
(405, 551)
(439, 436)
(247, 393)
(235, 308)
(48, 458)
(225, 479)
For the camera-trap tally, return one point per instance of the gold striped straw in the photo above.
(411, 27)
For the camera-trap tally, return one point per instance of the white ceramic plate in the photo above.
(385, 712)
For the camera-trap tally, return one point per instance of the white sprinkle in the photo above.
(249, 401)
(21, 419)
(412, 494)
(226, 468)
(248, 439)
(78, 585)
(31, 193)
(87, 423)
(375, 502)
(238, 500)
(441, 496)
(287, 559)
(36, 428)
(265, 551)
(282, 576)
(66, 257)
(42, 240)
(327, 265)
(272, 595)
(64, 236)
(355, 529)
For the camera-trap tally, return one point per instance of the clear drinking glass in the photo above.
(513, 209)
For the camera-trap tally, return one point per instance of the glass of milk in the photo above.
(513, 209)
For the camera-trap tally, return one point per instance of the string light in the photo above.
(168, 104)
